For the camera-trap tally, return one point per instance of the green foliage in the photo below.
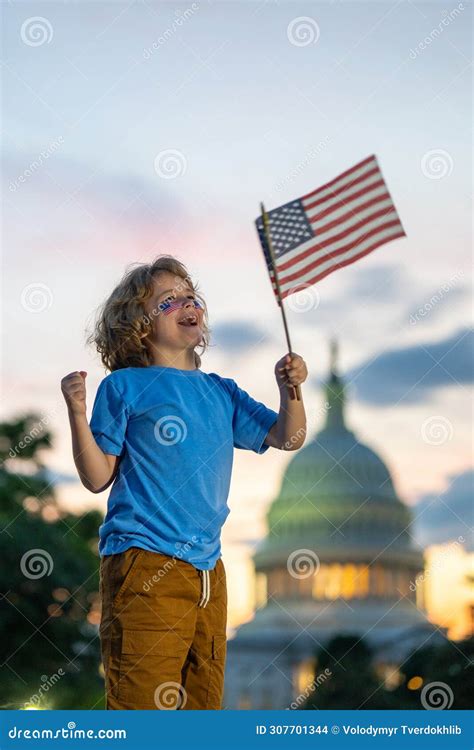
(354, 683)
(49, 601)
(451, 664)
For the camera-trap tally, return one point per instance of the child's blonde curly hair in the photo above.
(122, 324)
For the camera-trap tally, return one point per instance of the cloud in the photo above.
(236, 336)
(442, 300)
(380, 284)
(446, 517)
(97, 188)
(76, 209)
(409, 374)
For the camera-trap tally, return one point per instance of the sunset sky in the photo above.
(138, 128)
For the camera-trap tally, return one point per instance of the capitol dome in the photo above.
(338, 558)
(335, 492)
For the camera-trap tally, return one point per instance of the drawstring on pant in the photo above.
(205, 588)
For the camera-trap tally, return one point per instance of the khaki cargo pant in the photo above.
(163, 632)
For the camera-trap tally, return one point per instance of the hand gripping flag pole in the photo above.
(294, 392)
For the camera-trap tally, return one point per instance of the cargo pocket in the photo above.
(125, 564)
(216, 677)
(150, 669)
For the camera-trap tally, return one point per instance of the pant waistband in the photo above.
(205, 587)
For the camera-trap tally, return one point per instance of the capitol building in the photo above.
(338, 559)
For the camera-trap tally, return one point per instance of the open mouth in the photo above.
(189, 321)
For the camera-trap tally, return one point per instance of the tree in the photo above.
(449, 665)
(49, 601)
(443, 670)
(352, 681)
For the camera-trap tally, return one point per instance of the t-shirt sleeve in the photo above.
(251, 422)
(109, 418)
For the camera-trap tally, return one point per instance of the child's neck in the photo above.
(183, 360)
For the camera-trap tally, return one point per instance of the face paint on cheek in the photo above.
(169, 307)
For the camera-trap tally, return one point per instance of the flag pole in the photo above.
(295, 392)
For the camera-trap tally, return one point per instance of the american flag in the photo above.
(330, 227)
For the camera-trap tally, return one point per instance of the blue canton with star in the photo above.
(289, 228)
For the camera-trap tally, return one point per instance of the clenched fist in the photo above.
(73, 387)
(291, 370)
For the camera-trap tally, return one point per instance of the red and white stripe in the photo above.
(350, 216)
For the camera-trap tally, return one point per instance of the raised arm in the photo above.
(289, 431)
(96, 469)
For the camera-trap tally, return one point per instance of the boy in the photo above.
(162, 432)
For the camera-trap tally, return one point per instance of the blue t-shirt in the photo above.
(175, 431)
